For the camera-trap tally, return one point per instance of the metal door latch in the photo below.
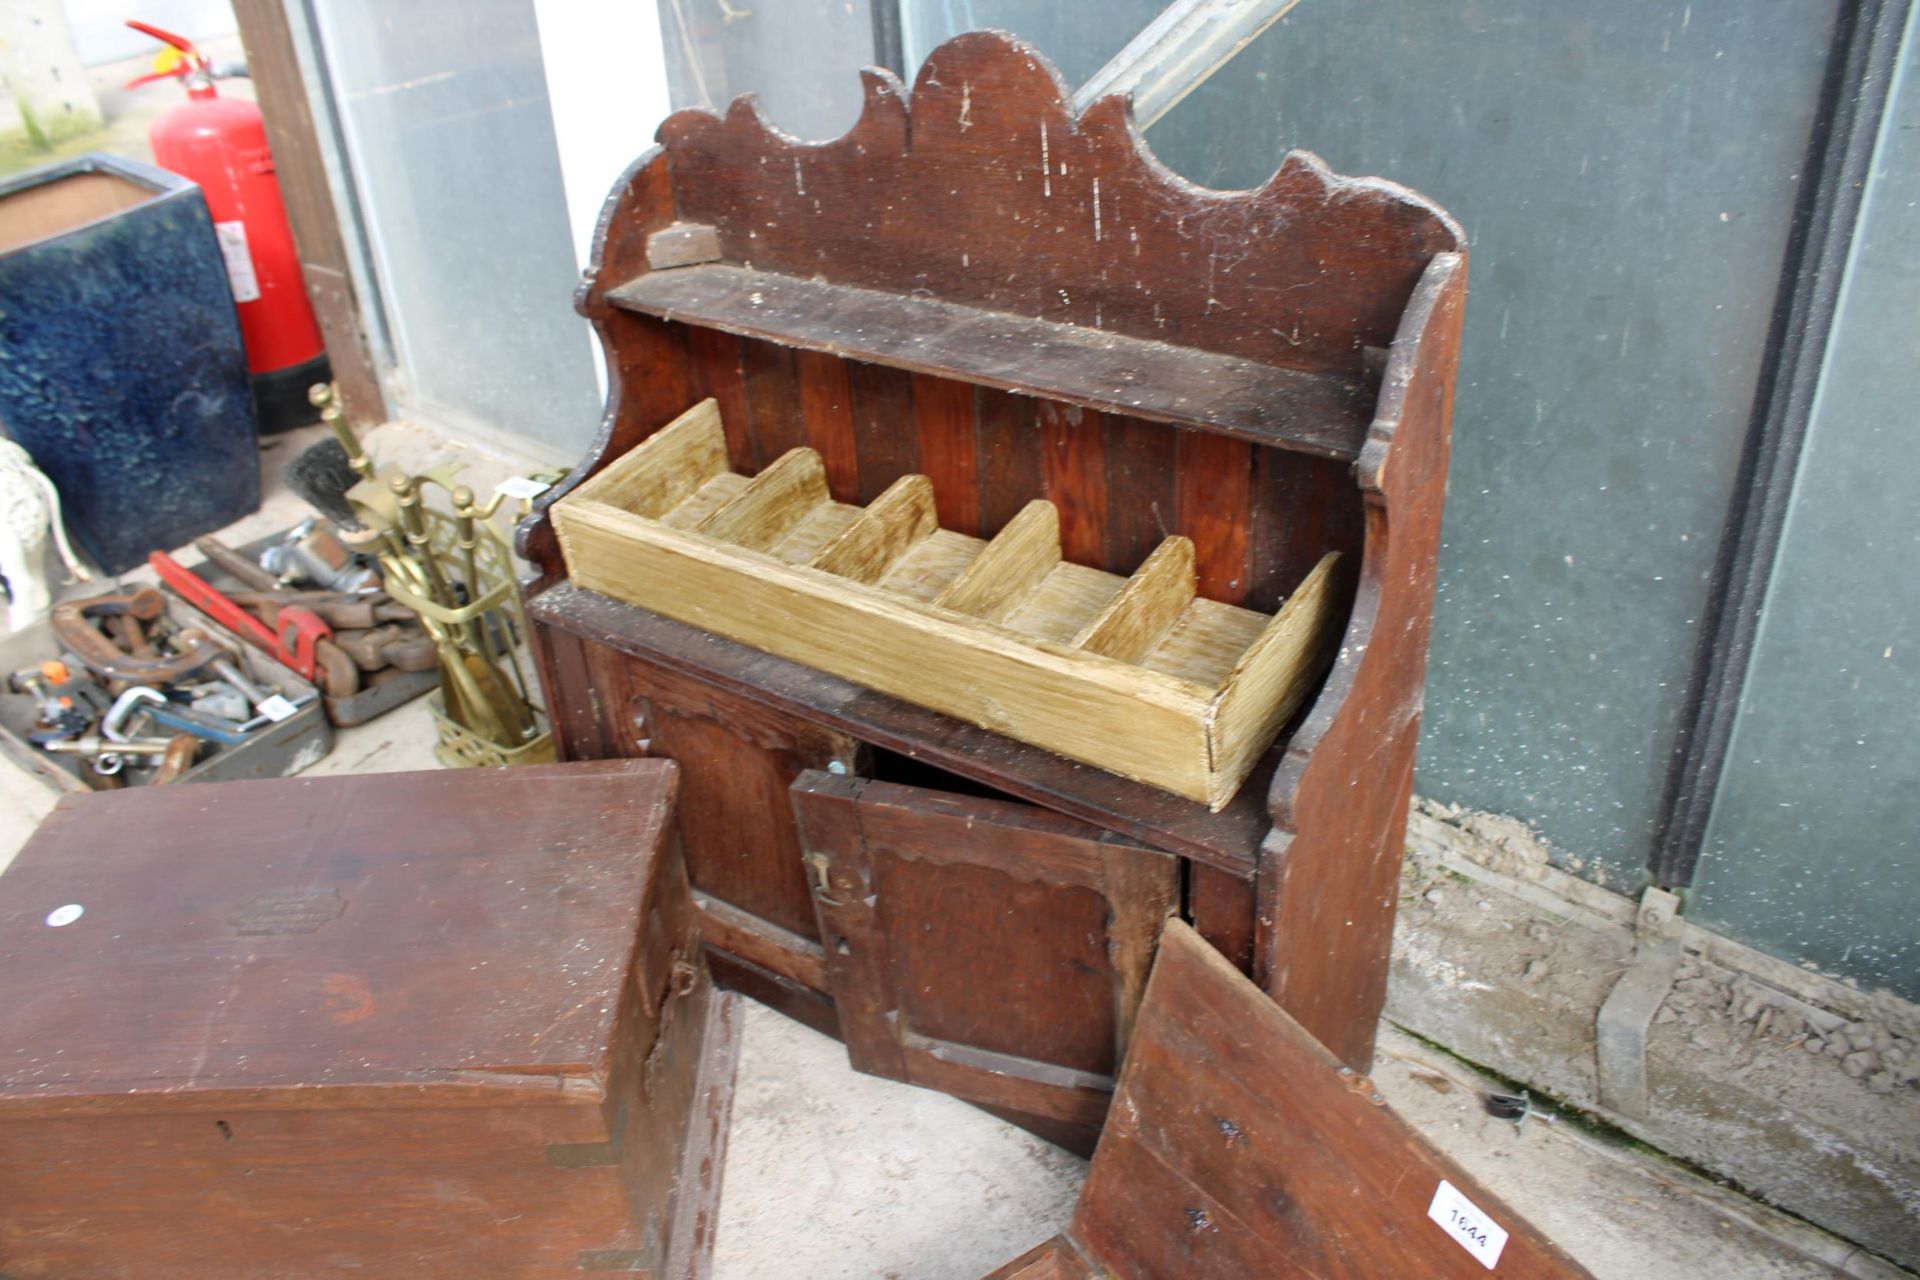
(1620, 1032)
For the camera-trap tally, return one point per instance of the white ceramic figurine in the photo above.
(29, 504)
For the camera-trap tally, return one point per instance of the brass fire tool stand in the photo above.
(455, 571)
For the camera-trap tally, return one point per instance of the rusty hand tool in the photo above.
(341, 610)
(235, 564)
(127, 634)
(271, 705)
(392, 645)
(176, 760)
(298, 639)
(143, 701)
(108, 756)
(113, 725)
(339, 674)
(72, 623)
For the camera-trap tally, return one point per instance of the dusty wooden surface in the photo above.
(447, 1024)
(265, 933)
(1089, 368)
(1239, 1146)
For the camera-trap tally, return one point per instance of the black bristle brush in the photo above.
(321, 476)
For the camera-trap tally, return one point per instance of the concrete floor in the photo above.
(832, 1174)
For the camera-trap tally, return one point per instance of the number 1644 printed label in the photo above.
(1473, 1230)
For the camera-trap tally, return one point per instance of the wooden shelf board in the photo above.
(1317, 413)
(1226, 840)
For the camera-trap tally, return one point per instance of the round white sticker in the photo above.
(65, 915)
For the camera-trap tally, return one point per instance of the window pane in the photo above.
(803, 60)
(1626, 170)
(1816, 829)
(1078, 36)
(444, 106)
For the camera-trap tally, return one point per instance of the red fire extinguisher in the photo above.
(221, 144)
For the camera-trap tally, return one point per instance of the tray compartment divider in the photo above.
(892, 525)
(1147, 607)
(1015, 563)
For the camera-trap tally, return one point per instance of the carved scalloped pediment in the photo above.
(986, 187)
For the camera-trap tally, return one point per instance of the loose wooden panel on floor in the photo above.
(1238, 1146)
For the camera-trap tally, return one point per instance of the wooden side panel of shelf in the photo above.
(1330, 864)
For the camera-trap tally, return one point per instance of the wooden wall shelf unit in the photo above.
(978, 286)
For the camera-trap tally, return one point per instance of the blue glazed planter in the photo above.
(121, 365)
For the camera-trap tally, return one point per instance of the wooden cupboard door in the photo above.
(737, 758)
(1240, 1146)
(992, 950)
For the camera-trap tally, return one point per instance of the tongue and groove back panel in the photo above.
(978, 285)
(1259, 517)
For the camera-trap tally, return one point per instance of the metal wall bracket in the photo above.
(1620, 1032)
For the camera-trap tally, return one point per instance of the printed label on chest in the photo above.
(287, 911)
(1472, 1229)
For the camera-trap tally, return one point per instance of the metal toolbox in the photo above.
(273, 751)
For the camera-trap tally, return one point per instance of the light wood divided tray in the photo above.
(1135, 675)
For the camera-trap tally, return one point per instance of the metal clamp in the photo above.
(72, 622)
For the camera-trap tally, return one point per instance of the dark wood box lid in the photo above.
(454, 931)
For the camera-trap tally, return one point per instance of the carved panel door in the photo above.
(737, 758)
(989, 949)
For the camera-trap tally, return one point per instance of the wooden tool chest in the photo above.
(445, 1024)
(980, 287)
